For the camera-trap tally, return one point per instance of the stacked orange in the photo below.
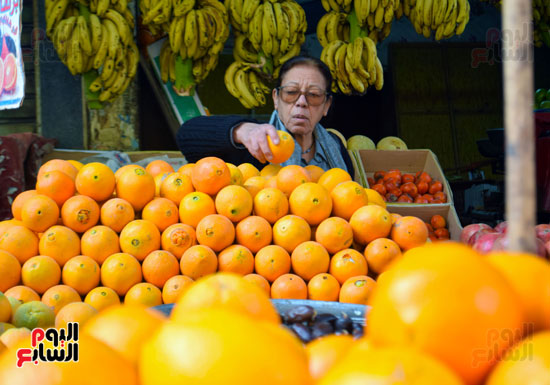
(311, 234)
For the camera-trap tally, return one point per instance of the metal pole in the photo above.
(517, 45)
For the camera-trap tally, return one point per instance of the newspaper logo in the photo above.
(64, 341)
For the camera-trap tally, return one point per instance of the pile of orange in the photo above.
(143, 234)
(395, 186)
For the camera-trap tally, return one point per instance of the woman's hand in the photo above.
(254, 137)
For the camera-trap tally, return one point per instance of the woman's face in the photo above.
(300, 117)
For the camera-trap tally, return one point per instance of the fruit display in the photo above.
(542, 98)
(348, 33)
(197, 31)
(95, 38)
(484, 238)
(267, 34)
(445, 18)
(396, 186)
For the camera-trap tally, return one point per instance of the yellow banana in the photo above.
(357, 52)
(255, 29)
(451, 7)
(354, 80)
(181, 7)
(379, 16)
(241, 82)
(55, 15)
(202, 29)
(229, 78)
(441, 12)
(101, 53)
(190, 38)
(96, 85)
(279, 19)
(256, 88)
(121, 24)
(95, 29)
(242, 51)
(419, 12)
(84, 35)
(462, 25)
(372, 54)
(267, 40)
(462, 10)
(373, 6)
(164, 64)
(322, 29)
(362, 10)
(249, 8)
(114, 38)
(427, 14)
(132, 55)
(269, 18)
(379, 75)
(102, 6)
(293, 18)
(389, 13)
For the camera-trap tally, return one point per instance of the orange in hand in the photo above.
(282, 151)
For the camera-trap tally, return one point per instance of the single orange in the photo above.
(210, 175)
(79, 312)
(409, 232)
(270, 170)
(177, 238)
(324, 352)
(159, 266)
(143, 293)
(290, 231)
(57, 185)
(236, 174)
(309, 259)
(59, 242)
(19, 201)
(271, 204)
(60, 295)
(95, 180)
(162, 212)
(254, 232)
(375, 198)
(283, 150)
(254, 184)
(117, 213)
(159, 178)
(271, 262)
(236, 259)
(323, 287)
(139, 238)
(248, 170)
(347, 263)
(198, 261)
(174, 288)
(186, 169)
(333, 177)
(102, 297)
(234, 202)
(124, 329)
(10, 270)
(58, 165)
(158, 166)
(380, 253)
(124, 168)
(290, 177)
(81, 273)
(195, 206)
(369, 223)
(215, 231)
(120, 271)
(80, 213)
(22, 293)
(312, 202)
(347, 197)
(334, 234)
(136, 186)
(259, 281)
(357, 289)
(99, 242)
(19, 241)
(176, 186)
(315, 172)
(39, 213)
(289, 286)
(226, 291)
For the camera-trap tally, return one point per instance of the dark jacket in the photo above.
(210, 136)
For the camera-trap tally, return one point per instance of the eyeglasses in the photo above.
(314, 97)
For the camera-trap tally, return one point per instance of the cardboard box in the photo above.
(426, 212)
(367, 162)
(68, 154)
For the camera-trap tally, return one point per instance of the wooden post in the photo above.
(517, 54)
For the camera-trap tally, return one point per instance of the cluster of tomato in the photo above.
(437, 229)
(395, 186)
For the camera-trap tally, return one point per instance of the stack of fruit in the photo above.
(349, 37)
(95, 38)
(396, 186)
(447, 18)
(197, 31)
(542, 98)
(267, 34)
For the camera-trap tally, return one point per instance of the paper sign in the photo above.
(12, 73)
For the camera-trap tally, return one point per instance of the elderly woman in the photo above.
(301, 99)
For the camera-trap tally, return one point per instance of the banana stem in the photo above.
(84, 11)
(266, 64)
(355, 30)
(92, 98)
(185, 82)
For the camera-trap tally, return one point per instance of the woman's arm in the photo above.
(210, 136)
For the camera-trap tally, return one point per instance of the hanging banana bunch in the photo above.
(447, 17)
(267, 34)
(95, 38)
(348, 33)
(197, 31)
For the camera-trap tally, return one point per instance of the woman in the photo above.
(301, 99)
